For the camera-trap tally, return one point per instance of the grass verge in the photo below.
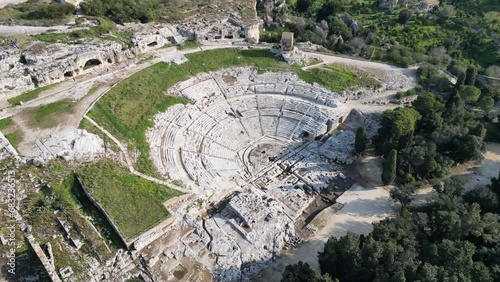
(6, 122)
(189, 44)
(135, 204)
(28, 96)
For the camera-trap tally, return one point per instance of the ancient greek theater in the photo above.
(268, 148)
(244, 127)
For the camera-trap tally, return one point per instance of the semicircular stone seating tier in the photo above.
(232, 113)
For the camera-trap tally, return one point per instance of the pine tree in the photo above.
(361, 140)
(389, 172)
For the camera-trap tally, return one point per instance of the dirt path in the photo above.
(479, 174)
(129, 162)
(362, 207)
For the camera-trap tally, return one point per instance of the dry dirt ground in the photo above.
(363, 205)
(476, 174)
(479, 174)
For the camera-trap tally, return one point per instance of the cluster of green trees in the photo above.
(452, 238)
(39, 10)
(122, 11)
(400, 36)
(429, 138)
(52, 11)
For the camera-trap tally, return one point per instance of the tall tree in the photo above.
(361, 140)
(470, 75)
(389, 171)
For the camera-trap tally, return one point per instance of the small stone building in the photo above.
(287, 41)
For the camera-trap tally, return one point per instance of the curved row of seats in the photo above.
(203, 139)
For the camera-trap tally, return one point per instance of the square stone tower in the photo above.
(287, 41)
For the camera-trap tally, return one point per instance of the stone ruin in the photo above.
(252, 144)
(216, 30)
(287, 41)
(42, 64)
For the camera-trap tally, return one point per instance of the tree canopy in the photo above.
(452, 238)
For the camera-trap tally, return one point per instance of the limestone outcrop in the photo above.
(69, 144)
(41, 64)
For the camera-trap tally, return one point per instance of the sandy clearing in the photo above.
(476, 174)
(362, 207)
(479, 174)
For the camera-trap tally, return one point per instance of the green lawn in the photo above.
(14, 139)
(337, 78)
(6, 122)
(31, 95)
(49, 115)
(134, 204)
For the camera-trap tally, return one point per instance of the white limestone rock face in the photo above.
(70, 144)
(247, 234)
(12, 74)
(357, 118)
(340, 147)
(6, 149)
(56, 62)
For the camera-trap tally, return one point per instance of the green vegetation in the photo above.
(147, 59)
(127, 110)
(13, 135)
(108, 143)
(431, 137)
(122, 11)
(389, 172)
(361, 140)
(430, 77)
(49, 115)
(28, 96)
(190, 44)
(14, 138)
(106, 30)
(55, 197)
(6, 122)
(94, 88)
(454, 237)
(456, 30)
(38, 12)
(337, 78)
(133, 203)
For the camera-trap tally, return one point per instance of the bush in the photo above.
(470, 94)
(404, 16)
(52, 11)
(122, 11)
(361, 140)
